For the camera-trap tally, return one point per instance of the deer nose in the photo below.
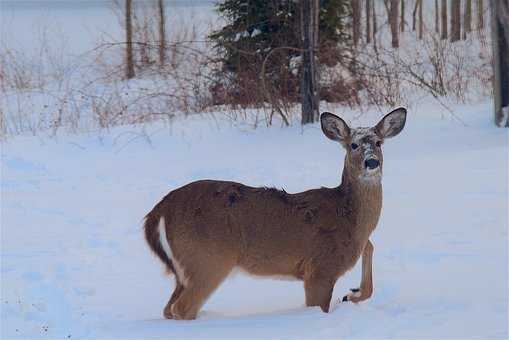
(371, 163)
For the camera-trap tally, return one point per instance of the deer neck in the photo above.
(363, 201)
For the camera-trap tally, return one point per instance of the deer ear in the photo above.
(392, 123)
(334, 127)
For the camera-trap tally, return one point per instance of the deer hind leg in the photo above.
(198, 288)
(318, 292)
(179, 288)
(366, 289)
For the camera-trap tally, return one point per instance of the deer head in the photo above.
(364, 159)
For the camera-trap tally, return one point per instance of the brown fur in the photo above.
(314, 236)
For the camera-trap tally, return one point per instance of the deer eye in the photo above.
(354, 146)
(378, 143)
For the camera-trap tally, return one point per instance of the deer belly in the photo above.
(276, 266)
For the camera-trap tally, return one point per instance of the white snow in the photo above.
(505, 117)
(74, 261)
(255, 32)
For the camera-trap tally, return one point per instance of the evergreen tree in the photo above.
(256, 27)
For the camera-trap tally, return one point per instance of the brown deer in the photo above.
(203, 230)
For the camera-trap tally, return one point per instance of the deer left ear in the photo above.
(392, 123)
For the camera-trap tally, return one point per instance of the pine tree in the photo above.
(254, 28)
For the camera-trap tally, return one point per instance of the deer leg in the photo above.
(176, 294)
(197, 290)
(366, 289)
(318, 292)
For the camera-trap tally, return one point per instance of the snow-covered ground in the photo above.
(74, 263)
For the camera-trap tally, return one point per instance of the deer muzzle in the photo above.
(371, 163)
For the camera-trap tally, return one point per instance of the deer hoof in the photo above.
(354, 290)
(167, 312)
(354, 296)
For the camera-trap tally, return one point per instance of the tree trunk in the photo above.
(414, 15)
(480, 15)
(437, 20)
(162, 33)
(500, 41)
(444, 19)
(356, 21)
(467, 19)
(368, 21)
(393, 20)
(316, 28)
(309, 83)
(374, 24)
(129, 40)
(402, 20)
(421, 21)
(455, 20)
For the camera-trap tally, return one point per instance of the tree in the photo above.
(480, 15)
(374, 24)
(129, 40)
(393, 21)
(437, 22)
(402, 21)
(418, 7)
(455, 20)
(162, 32)
(268, 33)
(444, 19)
(500, 40)
(414, 15)
(356, 21)
(421, 21)
(368, 21)
(467, 18)
(309, 84)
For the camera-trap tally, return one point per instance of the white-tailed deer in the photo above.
(203, 230)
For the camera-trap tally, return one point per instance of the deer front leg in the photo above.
(366, 289)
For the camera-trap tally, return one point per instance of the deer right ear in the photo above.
(334, 127)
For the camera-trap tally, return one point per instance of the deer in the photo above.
(203, 230)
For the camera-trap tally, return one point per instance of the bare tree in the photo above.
(316, 23)
(467, 19)
(374, 24)
(393, 12)
(500, 40)
(418, 7)
(356, 21)
(368, 21)
(414, 15)
(129, 40)
(162, 32)
(421, 21)
(480, 15)
(402, 21)
(455, 20)
(309, 83)
(437, 18)
(444, 19)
